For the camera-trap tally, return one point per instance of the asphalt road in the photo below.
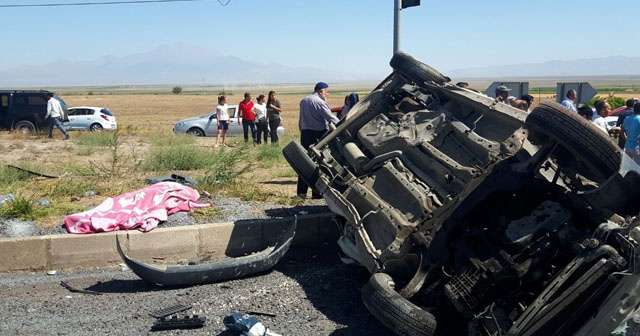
(310, 292)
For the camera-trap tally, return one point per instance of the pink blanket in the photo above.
(142, 209)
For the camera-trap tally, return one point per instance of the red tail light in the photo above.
(104, 117)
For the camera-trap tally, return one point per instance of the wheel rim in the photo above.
(96, 128)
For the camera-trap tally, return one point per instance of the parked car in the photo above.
(476, 218)
(91, 118)
(207, 125)
(25, 110)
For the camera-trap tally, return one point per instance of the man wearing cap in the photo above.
(248, 117)
(315, 116)
(502, 95)
(569, 99)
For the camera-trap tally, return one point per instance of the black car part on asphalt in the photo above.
(474, 217)
(254, 262)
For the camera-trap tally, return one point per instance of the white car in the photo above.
(207, 125)
(91, 118)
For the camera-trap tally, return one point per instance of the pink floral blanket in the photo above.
(142, 209)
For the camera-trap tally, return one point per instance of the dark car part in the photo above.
(182, 179)
(175, 322)
(169, 310)
(489, 220)
(221, 270)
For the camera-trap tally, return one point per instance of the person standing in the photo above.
(222, 113)
(260, 110)
(626, 113)
(273, 115)
(315, 116)
(568, 101)
(54, 114)
(502, 95)
(248, 117)
(631, 129)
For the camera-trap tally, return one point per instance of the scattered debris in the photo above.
(32, 172)
(7, 198)
(164, 312)
(75, 290)
(246, 324)
(172, 178)
(52, 272)
(175, 322)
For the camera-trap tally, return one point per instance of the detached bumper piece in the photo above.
(215, 271)
(175, 322)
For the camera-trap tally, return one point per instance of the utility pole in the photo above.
(399, 5)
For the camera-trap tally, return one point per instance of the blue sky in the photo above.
(337, 34)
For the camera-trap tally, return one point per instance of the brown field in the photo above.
(141, 116)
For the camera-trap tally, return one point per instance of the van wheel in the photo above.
(394, 311)
(416, 70)
(596, 155)
(25, 127)
(297, 157)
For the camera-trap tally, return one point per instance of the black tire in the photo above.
(25, 127)
(297, 157)
(394, 311)
(195, 131)
(95, 128)
(416, 70)
(599, 157)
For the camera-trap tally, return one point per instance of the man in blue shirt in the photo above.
(568, 101)
(315, 116)
(631, 128)
(626, 113)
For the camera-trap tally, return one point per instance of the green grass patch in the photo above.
(269, 155)
(178, 157)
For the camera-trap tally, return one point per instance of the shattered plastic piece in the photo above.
(44, 203)
(6, 198)
(246, 324)
(174, 322)
(169, 310)
(75, 290)
(52, 272)
(91, 193)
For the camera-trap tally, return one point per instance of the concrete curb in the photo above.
(66, 251)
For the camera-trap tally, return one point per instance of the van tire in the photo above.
(297, 157)
(416, 70)
(599, 157)
(25, 127)
(394, 311)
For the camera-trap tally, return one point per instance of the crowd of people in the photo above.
(260, 118)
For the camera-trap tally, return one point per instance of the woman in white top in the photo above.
(222, 112)
(260, 110)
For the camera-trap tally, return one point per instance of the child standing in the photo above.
(222, 111)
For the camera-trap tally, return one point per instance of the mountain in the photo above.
(605, 66)
(177, 63)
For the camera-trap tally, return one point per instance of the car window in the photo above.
(36, 100)
(62, 103)
(106, 111)
(74, 112)
(232, 112)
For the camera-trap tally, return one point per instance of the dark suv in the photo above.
(476, 218)
(25, 110)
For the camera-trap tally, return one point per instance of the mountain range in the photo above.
(178, 64)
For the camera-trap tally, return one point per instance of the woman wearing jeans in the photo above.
(273, 115)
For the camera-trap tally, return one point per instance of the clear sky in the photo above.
(337, 34)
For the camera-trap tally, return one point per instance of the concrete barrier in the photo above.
(68, 251)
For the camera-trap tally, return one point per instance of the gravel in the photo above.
(309, 292)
